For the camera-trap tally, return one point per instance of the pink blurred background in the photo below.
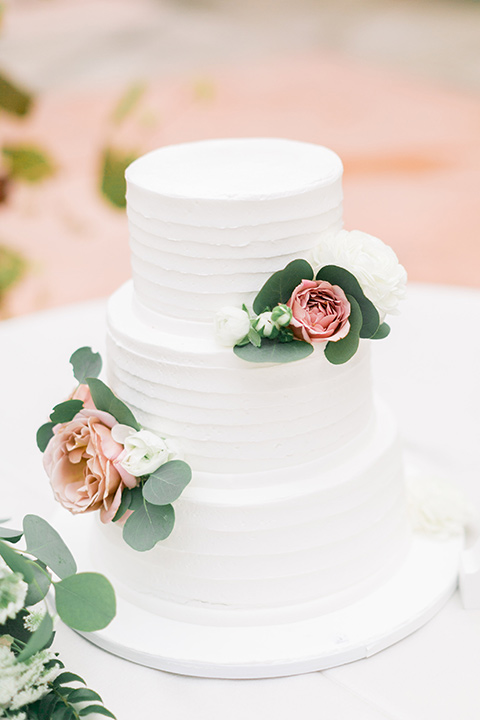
(392, 86)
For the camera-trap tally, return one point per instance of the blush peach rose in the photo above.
(320, 312)
(81, 461)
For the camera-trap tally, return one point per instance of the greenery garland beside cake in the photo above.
(342, 296)
(99, 458)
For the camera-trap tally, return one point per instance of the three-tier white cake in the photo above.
(296, 506)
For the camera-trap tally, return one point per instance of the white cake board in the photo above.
(422, 585)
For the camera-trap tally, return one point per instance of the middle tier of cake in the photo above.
(231, 416)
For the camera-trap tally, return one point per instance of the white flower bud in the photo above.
(231, 325)
(264, 325)
(281, 315)
(144, 452)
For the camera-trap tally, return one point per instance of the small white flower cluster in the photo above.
(232, 325)
(436, 506)
(371, 261)
(12, 593)
(144, 451)
(22, 683)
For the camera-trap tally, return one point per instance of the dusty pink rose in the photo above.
(83, 393)
(320, 311)
(81, 461)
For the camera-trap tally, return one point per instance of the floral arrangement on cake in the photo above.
(33, 685)
(99, 458)
(353, 281)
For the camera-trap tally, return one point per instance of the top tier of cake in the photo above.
(204, 235)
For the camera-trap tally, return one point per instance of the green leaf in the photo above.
(44, 435)
(124, 505)
(38, 640)
(96, 709)
(13, 99)
(114, 164)
(167, 483)
(13, 536)
(382, 332)
(83, 695)
(27, 163)
(63, 712)
(104, 399)
(350, 286)
(12, 267)
(281, 284)
(85, 601)
(17, 562)
(272, 351)
(86, 364)
(38, 587)
(254, 337)
(148, 525)
(341, 351)
(47, 705)
(128, 102)
(67, 677)
(45, 543)
(65, 411)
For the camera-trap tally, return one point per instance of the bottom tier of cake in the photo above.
(275, 545)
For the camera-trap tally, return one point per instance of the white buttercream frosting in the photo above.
(297, 492)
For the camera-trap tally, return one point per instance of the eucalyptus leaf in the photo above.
(13, 536)
(85, 601)
(14, 99)
(38, 587)
(341, 351)
(86, 364)
(17, 562)
(114, 164)
(95, 709)
(147, 525)
(281, 284)
(27, 163)
(45, 543)
(44, 435)
(39, 639)
(167, 483)
(382, 332)
(272, 351)
(350, 286)
(65, 411)
(104, 399)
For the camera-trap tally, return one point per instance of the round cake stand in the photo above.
(403, 604)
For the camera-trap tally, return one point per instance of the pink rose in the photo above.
(83, 393)
(320, 311)
(81, 461)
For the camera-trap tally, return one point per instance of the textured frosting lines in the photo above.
(216, 243)
(233, 416)
(333, 537)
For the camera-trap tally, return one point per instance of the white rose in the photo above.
(437, 507)
(144, 450)
(231, 325)
(371, 261)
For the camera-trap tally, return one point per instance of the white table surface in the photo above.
(429, 372)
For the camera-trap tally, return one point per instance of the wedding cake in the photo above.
(296, 505)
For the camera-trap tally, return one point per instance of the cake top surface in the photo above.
(235, 169)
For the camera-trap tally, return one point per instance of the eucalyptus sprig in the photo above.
(84, 601)
(364, 318)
